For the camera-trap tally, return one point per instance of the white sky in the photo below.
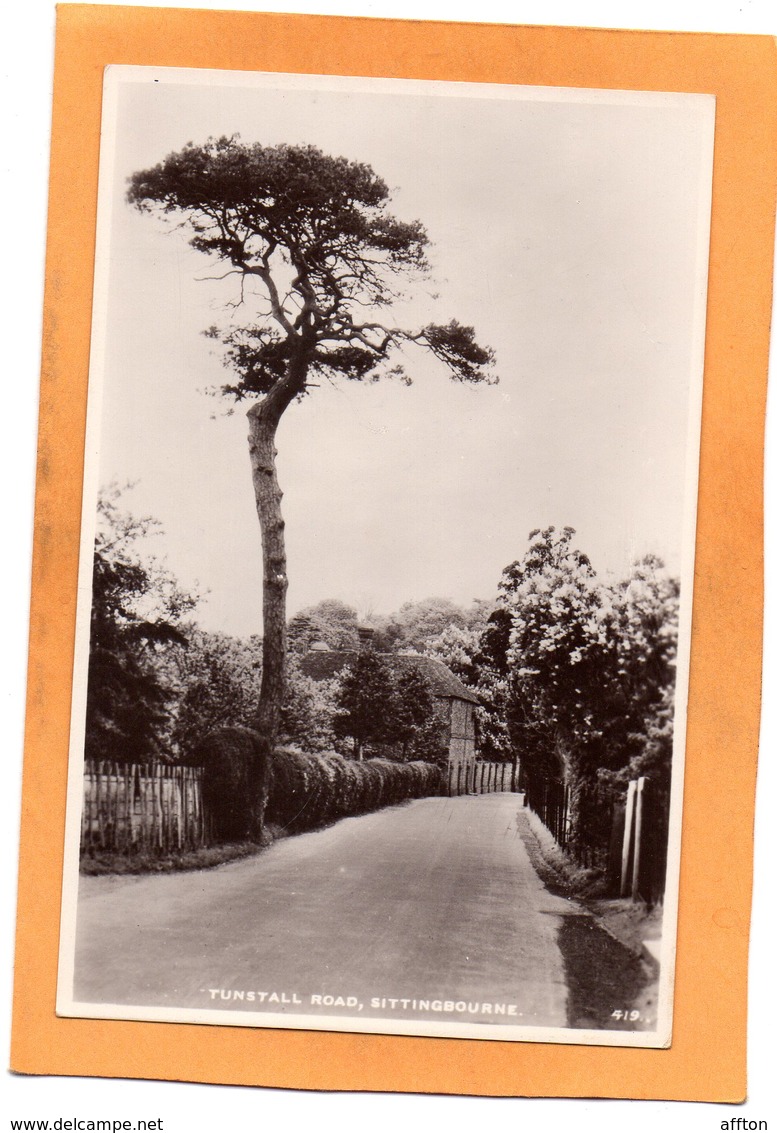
(570, 231)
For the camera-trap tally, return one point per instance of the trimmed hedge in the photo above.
(232, 759)
(311, 790)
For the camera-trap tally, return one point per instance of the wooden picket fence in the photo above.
(131, 807)
(480, 778)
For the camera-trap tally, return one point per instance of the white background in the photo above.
(26, 72)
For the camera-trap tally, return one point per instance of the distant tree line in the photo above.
(411, 629)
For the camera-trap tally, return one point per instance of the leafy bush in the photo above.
(310, 790)
(309, 709)
(218, 679)
(229, 757)
(137, 613)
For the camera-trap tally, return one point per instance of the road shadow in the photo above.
(606, 983)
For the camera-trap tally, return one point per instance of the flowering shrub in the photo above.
(589, 673)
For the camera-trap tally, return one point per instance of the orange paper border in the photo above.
(707, 1057)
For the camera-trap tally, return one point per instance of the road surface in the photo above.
(430, 910)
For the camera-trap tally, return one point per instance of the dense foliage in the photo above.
(366, 702)
(309, 710)
(590, 669)
(217, 686)
(416, 625)
(330, 622)
(307, 790)
(137, 612)
(311, 790)
(382, 710)
(227, 757)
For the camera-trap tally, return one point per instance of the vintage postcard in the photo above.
(397, 583)
(387, 556)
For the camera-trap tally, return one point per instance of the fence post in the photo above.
(199, 828)
(639, 800)
(94, 807)
(113, 804)
(627, 842)
(185, 816)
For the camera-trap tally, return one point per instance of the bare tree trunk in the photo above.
(261, 444)
(263, 420)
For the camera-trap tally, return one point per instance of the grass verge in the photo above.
(209, 857)
(631, 923)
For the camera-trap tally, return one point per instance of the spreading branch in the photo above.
(315, 234)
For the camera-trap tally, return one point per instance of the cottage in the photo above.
(456, 702)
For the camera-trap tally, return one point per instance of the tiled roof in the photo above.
(441, 680)
(323, 665)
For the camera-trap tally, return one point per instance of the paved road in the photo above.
(435, 900)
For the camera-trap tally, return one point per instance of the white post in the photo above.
(627, 837)
(639, 800)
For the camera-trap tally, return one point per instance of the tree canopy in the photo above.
(589, 675)
(311, 238)
(367, 702)
(218, 679)
(329, 621)
(137, 609)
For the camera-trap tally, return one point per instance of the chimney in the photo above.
(366, 638)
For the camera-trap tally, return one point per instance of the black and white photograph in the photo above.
(386, 570)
